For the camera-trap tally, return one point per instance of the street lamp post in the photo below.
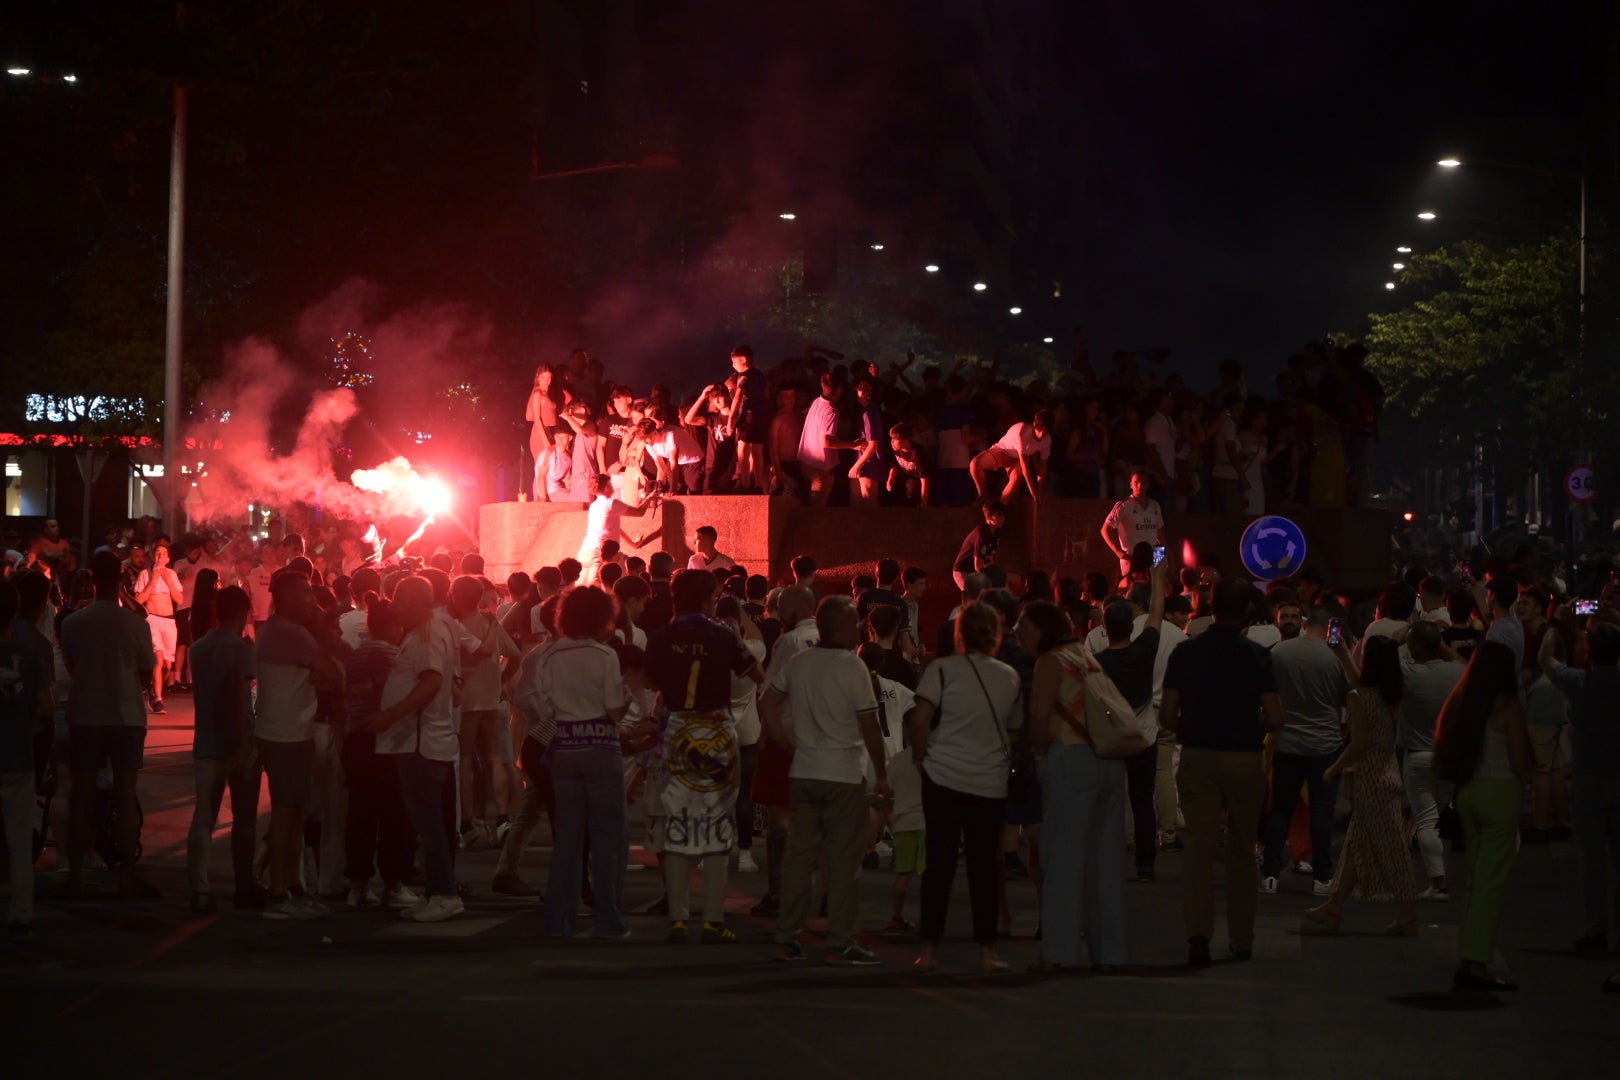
(172, 326)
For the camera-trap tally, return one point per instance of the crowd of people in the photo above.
(837, 433)
(1073, 732)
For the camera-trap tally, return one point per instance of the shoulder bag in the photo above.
(1107, 721)
(1023, 779)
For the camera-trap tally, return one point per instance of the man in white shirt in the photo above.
(706, 557)
(675, 452)
(1023, 452)
(797, 608)
(1132, 521)
(819, 443)
(834, 725)
(1159, 431)
(1223, 474)
(417, 726)
(603, 521)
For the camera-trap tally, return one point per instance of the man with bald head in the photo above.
(797, 606)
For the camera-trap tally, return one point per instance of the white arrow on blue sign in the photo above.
(1272, 548)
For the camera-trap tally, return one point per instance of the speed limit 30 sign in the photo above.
(1578, 484)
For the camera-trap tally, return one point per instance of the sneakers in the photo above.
(361, 896)
(746, 863)
(1302, 867)
(718, 934)
(435, 909)
(854, 955)
(402, 898)
(1268, 886)
(1439, 896)
(677, 932)
(290, 907)
(1321, 888)
(790, 953)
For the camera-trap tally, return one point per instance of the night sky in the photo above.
(1248, 168)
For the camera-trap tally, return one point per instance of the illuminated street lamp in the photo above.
(1399, 266)
(1403, 250)
(1015, 311)
(979, 286)
(788, 217)
(1389, 285)
(932, 268)
(1047, 340)
(1426, 215)
(19, 72)
(1448, 163)
(877, 247)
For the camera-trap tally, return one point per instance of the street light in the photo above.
(1426, 215)
(788, 217)
(1047, 340)
(1015, 311)
(1399, 266)
(979, 286)
(1389, 285)
(1403, 250)
(1448, 163)
(19, 72)
(932, 268)
(877, 247)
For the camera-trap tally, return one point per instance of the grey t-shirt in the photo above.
(1427, 684)
(1312, 685)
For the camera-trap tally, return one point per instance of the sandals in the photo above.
(1324, 917)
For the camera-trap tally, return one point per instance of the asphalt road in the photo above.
(149, 990)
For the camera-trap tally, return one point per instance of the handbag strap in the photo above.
(1006, 748)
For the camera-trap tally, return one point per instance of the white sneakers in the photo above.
(435, 909)
(1439, 896)
(1268, 886)
(361, 896)
(1302, 867)
(1322, 888)
(746, 863)
(403, 898)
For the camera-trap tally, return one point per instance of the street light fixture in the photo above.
(19, 72)
(70, 78)
(932, 268)
(1426, 215)
(1047, 340)
(979, 286)
(1448, 163)
(1399, 266)
(1015, 311)
(788, 217)
(1389, 285)
(877, 247)
(1403, 250)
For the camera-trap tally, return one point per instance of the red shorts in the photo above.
(771, 775)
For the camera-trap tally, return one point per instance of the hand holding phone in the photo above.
(1158, 554)
(1586, 607)
(1335, 634)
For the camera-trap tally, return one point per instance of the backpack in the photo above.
(1103, 717)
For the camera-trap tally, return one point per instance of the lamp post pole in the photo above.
(172, 438)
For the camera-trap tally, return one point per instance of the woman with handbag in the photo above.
(1083, 805)
(959, 741)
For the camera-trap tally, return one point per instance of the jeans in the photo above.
(213, 775)
(1217, 786)
(422, 783)
(1140, 770)
(1595, 814)
(825, 815)
(970, 824)
(1083, 856)
(748, 758)
(1288, 772)
(377, 834)
(17, 806)
(1427, 794)
(590, 798)
(1489, 811)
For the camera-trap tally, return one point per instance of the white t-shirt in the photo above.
(828, 689)
(967, 751)
(1021, 437)
(1264, 635)
(601, 523)
(1224, 467)
(1160, 433)
(1135, 522)
(896, 700)
(352, 628)
(719, 562)
(258, 584)
(675, 446)
(286, 704)
(431, 732)
(820, 424)
(745, 698)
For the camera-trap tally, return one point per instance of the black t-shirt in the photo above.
(1131, 668)
(614, 430)
(691, 662)
(1221, 676)
(660, 607)
(871, 598)
(753, 394)
(981, 542)
(898, 669)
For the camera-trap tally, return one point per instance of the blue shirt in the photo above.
(1594, 718)
(215, 658)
